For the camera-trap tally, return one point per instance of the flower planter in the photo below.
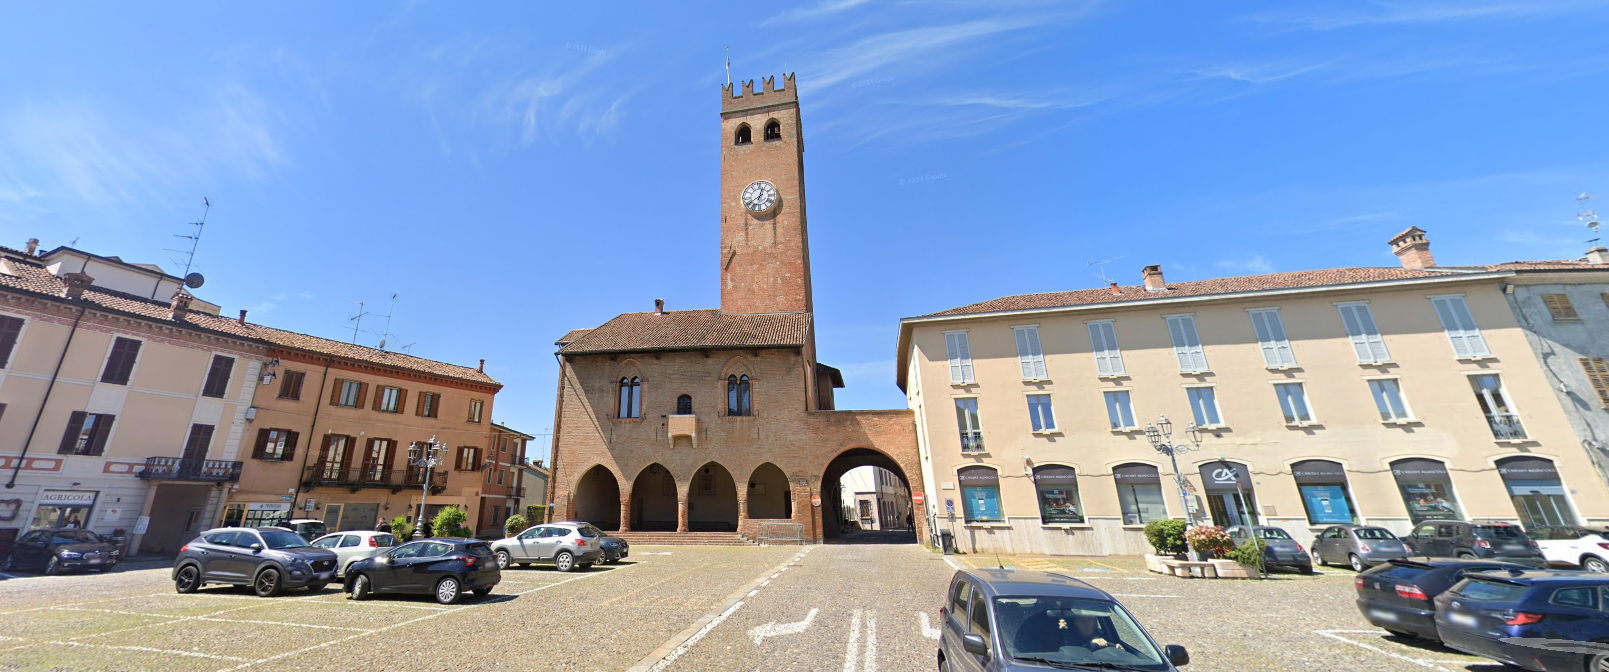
(1229, 569)
(1154, 563)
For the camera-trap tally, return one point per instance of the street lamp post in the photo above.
(429, 455)
(1161, 437)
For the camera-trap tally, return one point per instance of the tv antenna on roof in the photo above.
(195, 240)
(389, 311)
(356, 320)
(1586, 215)
(1101, 268)
(404, 348)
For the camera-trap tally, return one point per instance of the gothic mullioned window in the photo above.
(630, 398)
(737, 395)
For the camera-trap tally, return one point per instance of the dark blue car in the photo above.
(1536, 619)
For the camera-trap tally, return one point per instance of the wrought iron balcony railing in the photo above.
(1506, 426)
(972, 441)
(180, 469)
(371, 476)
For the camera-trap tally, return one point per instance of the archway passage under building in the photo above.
(868, 522)
(597, 498)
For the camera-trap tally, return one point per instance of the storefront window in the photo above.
(1324, 492)
(1057, 488)
(1229, 493)
(1533, 483)
(1139, 493)
(980, 493)
(259, 514)
(63, 508)
(233, 515)
(1426, 489)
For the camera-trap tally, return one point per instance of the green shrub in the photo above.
(1166, 536)
(1249, 553)
(449, 522)
(401, 528)
(514, 525)
(536, 514)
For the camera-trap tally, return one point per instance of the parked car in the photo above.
(444, 567)
(1005, 620)
(1584, 547)
(352, 546)
(614, 549)
(1485, 541)
(566, 545)
(1280, 549)
(269, 559)
(1490, 615)
(1358, 546)
(62, 550)
(1397, 596)
(306, 528)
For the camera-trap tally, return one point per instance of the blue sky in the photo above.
(516, 170)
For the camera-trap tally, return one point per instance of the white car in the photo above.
(355, 545)
(1585, 547)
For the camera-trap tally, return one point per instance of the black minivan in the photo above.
(1482, 541)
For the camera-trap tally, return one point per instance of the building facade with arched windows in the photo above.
(1385, 396)
(716, 421)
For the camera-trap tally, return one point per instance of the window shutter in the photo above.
(402, 400)
(1350, 319)
(1038, 354)
(390, 453)
(290, 445)
(1560, 307)
(75, 426)
(954, 354)
(1025, 358)
(324, 448)
(261, 449)
(1597, 371)
(335, 393)
(363, 394)
(379, 394)
(1377, 344)
(1472, 333)
(103, 431)
(9, 328)
(965, 348)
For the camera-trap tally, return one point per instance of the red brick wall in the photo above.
(765, 259)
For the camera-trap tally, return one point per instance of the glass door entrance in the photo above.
(1227, 509)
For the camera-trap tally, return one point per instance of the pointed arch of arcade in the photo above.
(596, 498)
(653, 506)
(712, 500)
(768, 495)
(832, 488)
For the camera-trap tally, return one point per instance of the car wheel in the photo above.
(267, 583)
(1594, 563)
(188, 580)
(1307, 569)
(1357, 563)
(944, 665)
(1598, 664)
(502, 559)
(10, 565)
(564, 562)
(447, 590)
(482, 592)
(53, 567)
(360, 588)
(1318, 559)
(1466, 555)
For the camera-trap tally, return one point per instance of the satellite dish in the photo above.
(194, 280)
(382, 344)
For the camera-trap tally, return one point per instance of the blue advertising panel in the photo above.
(1326, 504)
(982, 503)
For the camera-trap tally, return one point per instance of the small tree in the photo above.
(1250, 554)
(449, 522)
(1166, 536)
(401, 528)
(514, 525)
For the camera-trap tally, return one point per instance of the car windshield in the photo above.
(1374, 533)
(74, 537)
(590, 532)
(1073, 630)
(385, 540)
(280, 539)
(1271, 533)
(1405, 572)
(1498, 532)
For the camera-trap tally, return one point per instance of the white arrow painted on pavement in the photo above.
(772, 629)
(928, 631)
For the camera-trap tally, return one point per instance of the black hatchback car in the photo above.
(1483, 541)
(268, 559)
(443, 567)
(1397, 596)
(62, 550)
(1004, 620)
(1538, 620)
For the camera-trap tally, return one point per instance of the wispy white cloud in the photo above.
(816, 11)
(1385, 13)
(1259, 73)
(1256, 264)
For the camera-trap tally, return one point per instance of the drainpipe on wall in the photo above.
(318, 404)
(553, 450)
(48, 388)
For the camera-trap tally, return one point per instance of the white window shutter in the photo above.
(1265, 337)
(1037, 354)
(1108, 358)
(966, 357)
(954, 352)
(1180, 351)
(1282, 344)
(1353, 318)
(1025, 357)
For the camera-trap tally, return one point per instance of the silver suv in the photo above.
(566, 545)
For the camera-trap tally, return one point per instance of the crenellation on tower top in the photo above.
(769, 93)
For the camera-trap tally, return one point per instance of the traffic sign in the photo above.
(918, 498)
(815, 500)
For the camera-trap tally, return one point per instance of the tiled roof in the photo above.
(692, 330)
(572, 336)
(30, 277)
(1232, 285)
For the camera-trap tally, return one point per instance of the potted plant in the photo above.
(1247, 559)
(1210, 541)
(1167, 539)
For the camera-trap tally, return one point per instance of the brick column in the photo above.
(742, 513)
(681, 515)
(625, 513)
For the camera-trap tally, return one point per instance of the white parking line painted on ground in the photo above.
(852, 654)
(1140, 595)
(871, 643)
(928, 631)
(760, 632)
(282, 623)
(663, 656)
(677, 653)
(171, 620)
(147, 649)
(952, 562)
(1335, 635)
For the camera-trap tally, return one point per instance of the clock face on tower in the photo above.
(760, 196)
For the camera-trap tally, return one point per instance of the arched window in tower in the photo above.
(684, 405)
(737, 395)
(742, 137)
(773, 130)
(630, 397)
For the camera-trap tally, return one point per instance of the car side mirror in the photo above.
(974, 644)
(1177, 655)
(256, 548)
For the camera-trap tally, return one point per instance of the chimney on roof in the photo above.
(1413, 248)
(242, 316)
(33, 246)
(76, 284)
(659, 306)
(181, 305)
(1598, 255)
(1153, 278)
(482, 367)
(1115, 290)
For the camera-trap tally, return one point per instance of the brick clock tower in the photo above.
(765, 245)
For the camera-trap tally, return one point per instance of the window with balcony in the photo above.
(429, 404)
(1040, 414)
(1204, 406)
(1103, 342)
(1460, 326)
(684, 405)
(630, 401)
(738, 401)
(1293, 403)
(1030, 356)
(275, 445)
(1388, 400)
(335, 456)
(1119, 409)
(120, 363)
(1494, 403)
(290, 385)
(966, 418)
(1560, 307)
(1187, 344)
(960, 353)
(10, 330)
(217, 384)
(388, 400)
(86, 433)
(1277, 352)
(475, 407)
(1367, 343)
(377, 460)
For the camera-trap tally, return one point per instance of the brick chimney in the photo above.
(659, 306)
(1115, 290)
(76, 284)
(181, 305)
(1598, 255)
(243, 317)
(33, 246)
(482, 367)
(1153, 278)
(1413, 248)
